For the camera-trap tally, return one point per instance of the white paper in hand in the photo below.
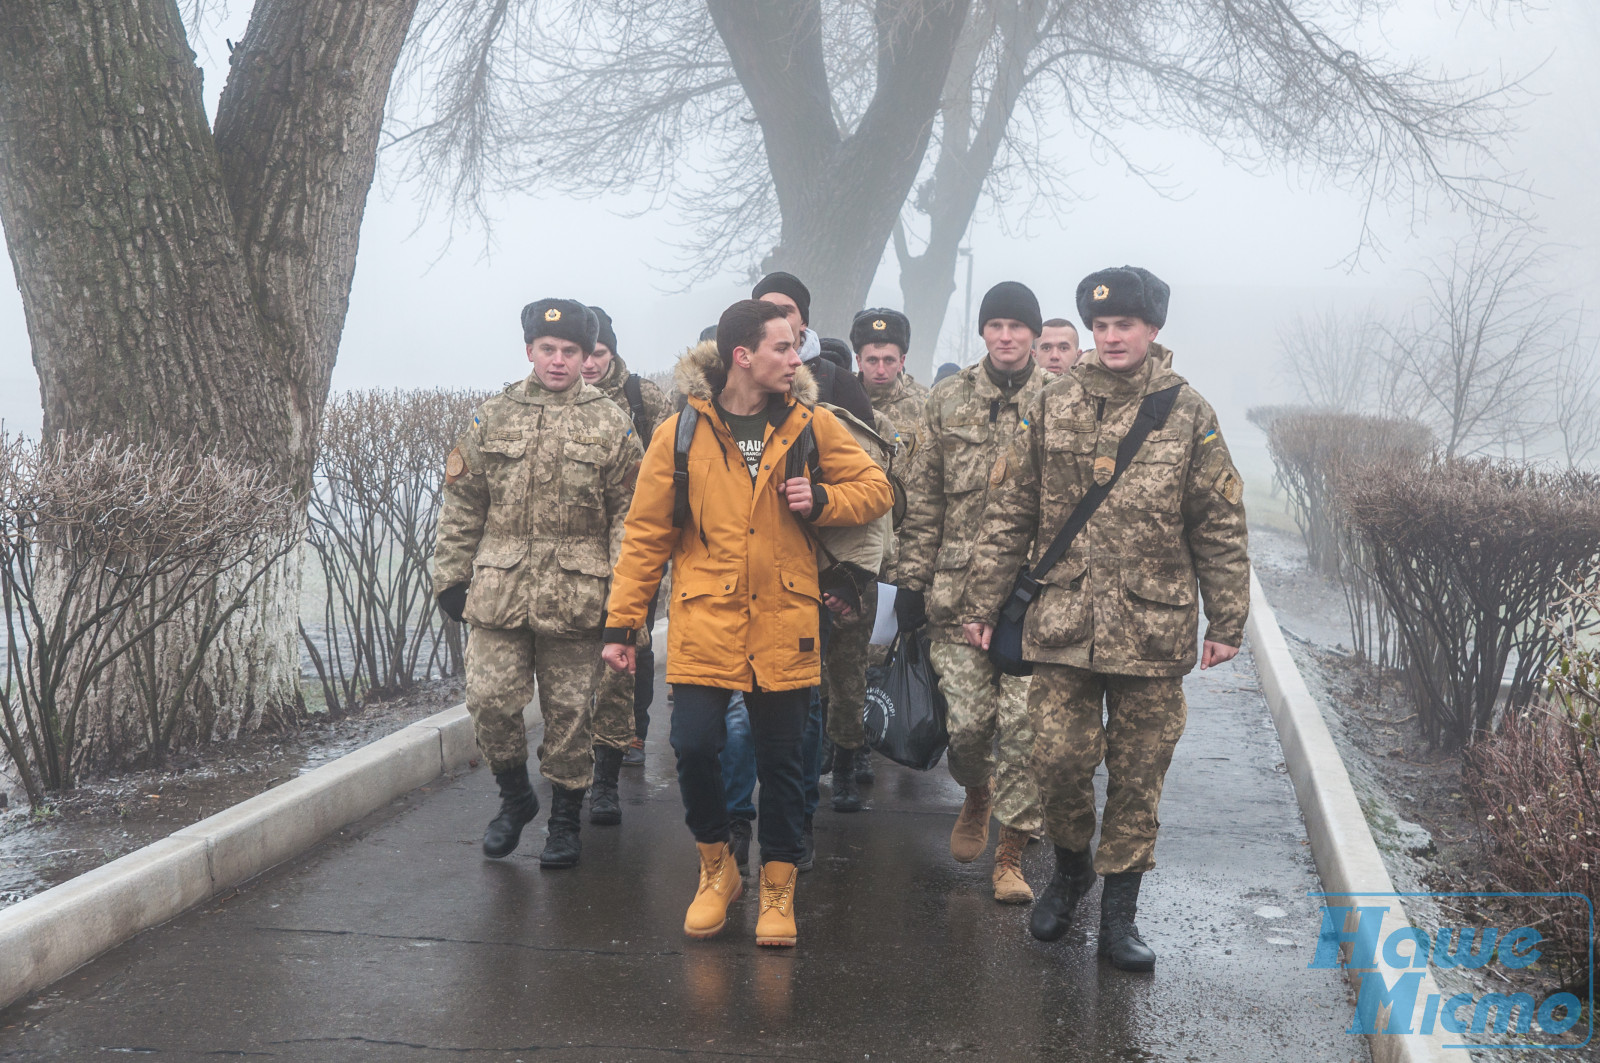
(885, 626)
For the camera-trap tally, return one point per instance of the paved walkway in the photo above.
(397, 941)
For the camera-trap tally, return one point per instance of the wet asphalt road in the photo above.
(397, 941)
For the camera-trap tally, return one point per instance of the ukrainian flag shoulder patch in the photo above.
(1209, 436)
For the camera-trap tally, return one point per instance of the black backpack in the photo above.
(635, 397)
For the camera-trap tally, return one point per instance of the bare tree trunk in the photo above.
(177, 283)
(835, 224)
(966, 157)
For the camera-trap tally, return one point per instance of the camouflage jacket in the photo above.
(902, 401)
(535, 496)
(656, 407)
(1122, 598)
(965, 454)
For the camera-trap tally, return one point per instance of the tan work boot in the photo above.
(1009, 885)
(776, 923)
(971, 834)
(720, 885)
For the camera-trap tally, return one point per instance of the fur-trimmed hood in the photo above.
(699, 374)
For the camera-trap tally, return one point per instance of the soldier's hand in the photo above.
(1214, 653)
(798, 492)
(453, 601)
(620, 657)
(978, 635)
(837, 605)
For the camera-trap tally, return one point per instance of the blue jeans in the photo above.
(739, 756)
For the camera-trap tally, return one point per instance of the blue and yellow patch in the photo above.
(1209, 436)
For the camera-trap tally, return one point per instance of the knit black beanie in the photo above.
(785, 284)
(565, 319)
(607, 334)
(1129, 291)
(1014, 300)
(881, 325)
(836, 351)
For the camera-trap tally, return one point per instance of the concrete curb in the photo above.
(1347, 857)
(48, 936)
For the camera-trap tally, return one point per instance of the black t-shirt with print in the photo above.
(750, 432)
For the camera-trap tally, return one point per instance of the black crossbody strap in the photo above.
(688, 421)
(1152, 415)
(635, 396)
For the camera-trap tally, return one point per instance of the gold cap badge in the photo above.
(552, 314)
(879, 325)
(1102, 293)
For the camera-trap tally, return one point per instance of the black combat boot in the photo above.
(808, 847)
(866, 775)
(1119, 937)
(846, 797)
(605, 804)
(561, 844)
(1052, 912)
(518, 806)
(739, 842)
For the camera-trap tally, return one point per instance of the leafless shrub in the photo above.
(373, 519)
(118, 562)
(1469, 555)
(1263, 416)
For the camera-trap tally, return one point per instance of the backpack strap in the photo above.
(688, 421)
(803, 459)
(635, 396)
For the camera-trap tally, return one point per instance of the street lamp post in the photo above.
(966, 317)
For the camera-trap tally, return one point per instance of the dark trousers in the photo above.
(644, 679)
(777, 724)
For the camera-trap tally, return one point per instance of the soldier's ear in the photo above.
(530, 352)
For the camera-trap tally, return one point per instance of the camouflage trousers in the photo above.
(614, 700)
(984, 716)
(501, 669)
(844, 672)
(1143, 720)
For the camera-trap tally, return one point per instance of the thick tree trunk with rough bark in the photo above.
(180, 283)
(835, 224)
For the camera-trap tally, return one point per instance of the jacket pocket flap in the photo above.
(968, 433)
(590, 564)
(507, 446)
(500, 555)
(712, 586)
(588, 453)
(1066, 571)
(1154, 588)
(953, 555)
(801, 582)
(1073, 437)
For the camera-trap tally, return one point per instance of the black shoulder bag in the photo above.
(1005, 645)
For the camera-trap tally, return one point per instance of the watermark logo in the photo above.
(1392, 956)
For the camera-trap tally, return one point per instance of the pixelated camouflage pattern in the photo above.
(536, 494)
(502, 667)
(1144, 718)
(983, 718)
(613, 704)
(902, 401)
(1122, 600)
(962, 459)
(651, 397)
(844, 672)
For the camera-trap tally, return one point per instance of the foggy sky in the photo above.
(1243, 253)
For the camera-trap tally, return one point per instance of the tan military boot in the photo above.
(720, 885)
(776, 923)
(971, 834)
(1009, 885)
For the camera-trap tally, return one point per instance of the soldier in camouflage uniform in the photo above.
(1115, 626)
(971, 419)
(622, 703)
(535, 497)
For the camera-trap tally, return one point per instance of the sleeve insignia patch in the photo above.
(552, 314)
(1102, 293)
(455, 467)
(1209, 436)
(1230, 487)
(1104, 467)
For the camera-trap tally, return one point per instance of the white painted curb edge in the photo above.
(55, 932)
(1341, 843)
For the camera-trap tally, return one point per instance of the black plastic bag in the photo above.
(905, 710)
